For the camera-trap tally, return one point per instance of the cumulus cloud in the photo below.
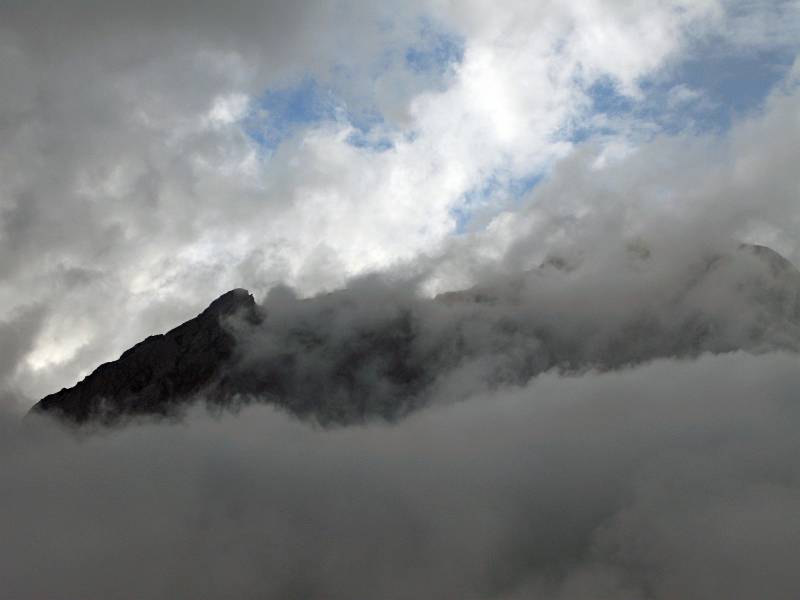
(674, 479)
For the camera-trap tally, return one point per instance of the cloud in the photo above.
(379, 349)
(126, 154)
(673, 479)
(677, 191)
(591, 429)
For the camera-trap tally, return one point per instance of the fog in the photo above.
(378, 348)
(675, 479)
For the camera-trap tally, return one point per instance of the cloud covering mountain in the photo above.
(376, 349)
(556, 238)
(673, 479)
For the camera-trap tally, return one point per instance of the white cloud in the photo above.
(228, 109)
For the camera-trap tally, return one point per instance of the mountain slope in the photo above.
(157, 374)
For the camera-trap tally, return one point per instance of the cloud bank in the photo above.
(379, 349)
(673, 479)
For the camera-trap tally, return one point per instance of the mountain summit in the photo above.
(156, 375)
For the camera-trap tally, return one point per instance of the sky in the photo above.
(154, 155)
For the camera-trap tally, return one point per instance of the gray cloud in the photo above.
(674, 479)
(376, 348)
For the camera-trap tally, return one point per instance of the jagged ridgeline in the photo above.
(377, 350)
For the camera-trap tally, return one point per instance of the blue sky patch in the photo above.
(365, 139)
(436, 51)
(496, 193)
(282, 111)
(704, 94)
(735, 84)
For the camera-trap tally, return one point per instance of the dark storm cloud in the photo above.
(678, 479)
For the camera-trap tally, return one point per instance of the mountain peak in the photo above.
(156, 375)
(231, 302)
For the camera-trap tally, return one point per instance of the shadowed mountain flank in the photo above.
(156, 375)
(377, 350)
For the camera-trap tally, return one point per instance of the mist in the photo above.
(380, 349)
(676, 479)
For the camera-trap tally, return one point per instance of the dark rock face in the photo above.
(157, 375)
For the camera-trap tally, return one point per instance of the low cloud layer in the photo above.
(379, 349)
(677, 479)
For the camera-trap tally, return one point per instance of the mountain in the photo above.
(155, 376)
(377, 350)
